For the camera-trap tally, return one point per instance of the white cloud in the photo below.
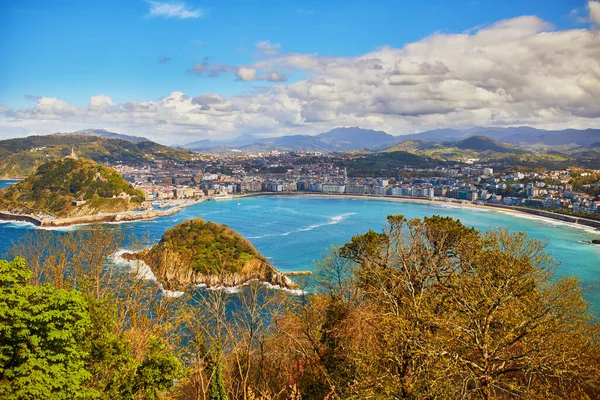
(176, 10)
(267, 48)
(246, 74)
(594, 7)
(100, 100)
(515, 72)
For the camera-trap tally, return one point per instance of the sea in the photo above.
(294, 232)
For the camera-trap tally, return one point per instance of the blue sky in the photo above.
(73, 50)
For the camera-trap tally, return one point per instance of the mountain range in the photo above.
(338, 139)
(353, 139)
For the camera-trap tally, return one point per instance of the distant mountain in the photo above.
(211, 144)
(484, 143)
(521, 136)
(20, 157)
(106, 134)
(352, 139)
(338, 139)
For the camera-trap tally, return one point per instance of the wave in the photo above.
(332, 221)
(238, 288)
(17, 224)
(142, 271)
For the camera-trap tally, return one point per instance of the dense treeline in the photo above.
(56, 184)
(425, 309)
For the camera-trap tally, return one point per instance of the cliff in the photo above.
(197, 252)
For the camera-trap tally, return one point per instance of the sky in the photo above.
(180, 71)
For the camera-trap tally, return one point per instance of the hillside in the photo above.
(483, 143)
(57, 184)
(387, 163)
(521, 136)
(20, 157)
(477, 147)
(106, 134)
(198, 252)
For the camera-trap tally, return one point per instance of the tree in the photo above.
(218, 389)
(41, 331)
(440, 310)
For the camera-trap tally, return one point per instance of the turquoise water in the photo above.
(294, 231)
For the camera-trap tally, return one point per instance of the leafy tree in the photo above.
(440, 310)
(41, 331)
(218, 389)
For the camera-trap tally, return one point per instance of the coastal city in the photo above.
(225, 177)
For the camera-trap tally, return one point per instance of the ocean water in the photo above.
(293, 232)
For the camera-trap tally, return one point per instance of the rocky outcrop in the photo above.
(173, 268)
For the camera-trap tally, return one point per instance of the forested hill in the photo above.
(20, 157)
(57, 184)
(199, 252)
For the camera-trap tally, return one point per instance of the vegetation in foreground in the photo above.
(425, 309)
(57, 184)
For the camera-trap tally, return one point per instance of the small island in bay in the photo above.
(74, 191)
(197, 252)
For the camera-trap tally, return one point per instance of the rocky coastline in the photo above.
(196, 253)
(46, 222)
(176, 276)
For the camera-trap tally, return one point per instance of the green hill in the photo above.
(475, 147)
(57, 184)
(198, 252)
(483, 143)
(20, 157)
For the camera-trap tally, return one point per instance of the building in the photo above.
(356, 189)
(333, 188)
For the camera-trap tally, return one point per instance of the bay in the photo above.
(293, 232)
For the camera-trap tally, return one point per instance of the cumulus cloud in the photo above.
(177, 10)
(515, 72)
(594, 7)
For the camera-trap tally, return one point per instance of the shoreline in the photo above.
(125, 216)
(178, 205)
(543, 215)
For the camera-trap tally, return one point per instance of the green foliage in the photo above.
(157, 371)
(207, 247)
(218, 389)
(56, 184)
(387, 164)
(63, 344)
(41, 332)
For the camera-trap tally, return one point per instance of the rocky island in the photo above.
(196, 252)
(73, 191)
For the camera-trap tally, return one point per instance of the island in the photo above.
(197, 252)
(75, 191)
